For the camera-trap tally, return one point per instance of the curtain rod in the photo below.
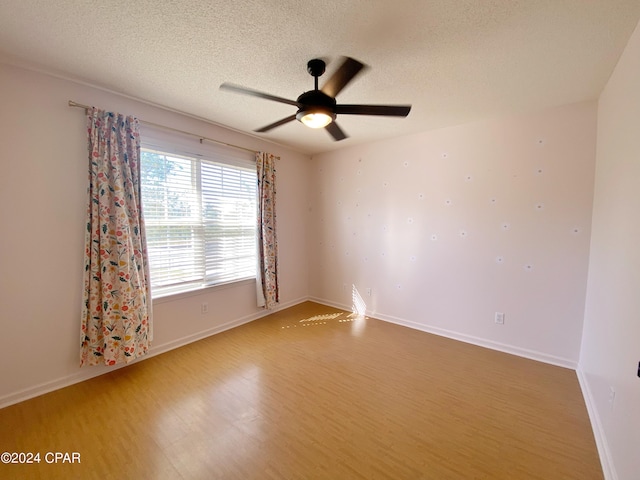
(151, 124)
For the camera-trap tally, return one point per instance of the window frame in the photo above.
(173, 143)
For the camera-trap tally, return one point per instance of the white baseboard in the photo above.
(91, 372)
(596, 425)
(521, 352)
(329, 303)
(180, 342)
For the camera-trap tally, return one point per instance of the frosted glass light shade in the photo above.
(316, 120)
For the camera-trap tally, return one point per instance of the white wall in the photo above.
(611, 339)
(450, 226)
(43, 183)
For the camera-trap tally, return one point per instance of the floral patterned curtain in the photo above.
(267, 277)
(116, 316)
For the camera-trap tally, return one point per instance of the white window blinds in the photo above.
(200, 217)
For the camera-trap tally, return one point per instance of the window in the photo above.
(200, 217)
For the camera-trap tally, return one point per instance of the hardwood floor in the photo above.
(312, 393)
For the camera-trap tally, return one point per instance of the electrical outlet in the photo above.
(612, 397)
(499, 318)
(369, 294)
(204, 308)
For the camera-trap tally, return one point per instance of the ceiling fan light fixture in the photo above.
(316, 117)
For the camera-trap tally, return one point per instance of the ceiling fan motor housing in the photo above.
(316, 101)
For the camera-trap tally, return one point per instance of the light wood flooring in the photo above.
(312, 393)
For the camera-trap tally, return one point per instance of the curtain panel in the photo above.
(268, 291)
(116, 314)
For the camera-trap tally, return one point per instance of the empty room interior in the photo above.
(442, 284)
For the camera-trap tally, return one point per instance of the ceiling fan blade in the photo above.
(276, 124)
(347, 71)
(386, 110)
(335, 131)
(255, 93)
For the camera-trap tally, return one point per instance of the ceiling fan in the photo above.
(317, 108)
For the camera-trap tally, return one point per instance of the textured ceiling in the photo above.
(454, 61)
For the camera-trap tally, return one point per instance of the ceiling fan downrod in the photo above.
(316, 68)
